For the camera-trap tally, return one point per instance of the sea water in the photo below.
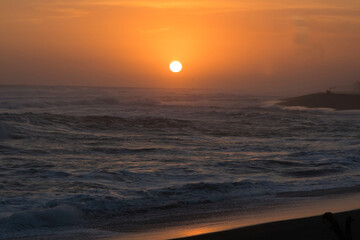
(119, 159)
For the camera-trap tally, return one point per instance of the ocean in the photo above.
(103, 161)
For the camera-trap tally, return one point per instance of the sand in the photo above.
(336, 101)
(309, 228)
(298, 219)
(260, 223)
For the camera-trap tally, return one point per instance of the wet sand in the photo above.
(336, 101)
(309, 228)
(300, 219)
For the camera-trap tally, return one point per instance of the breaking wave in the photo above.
(61, 215)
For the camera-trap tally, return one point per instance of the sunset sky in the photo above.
(253, 46)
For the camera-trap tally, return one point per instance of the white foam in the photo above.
(302, 108)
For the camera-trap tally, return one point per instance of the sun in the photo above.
(175, 66)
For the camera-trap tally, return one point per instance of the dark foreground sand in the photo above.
(309, 228)
(325, 100)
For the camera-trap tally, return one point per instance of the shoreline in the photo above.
(310, 228)
(239, 222)
(296, 221)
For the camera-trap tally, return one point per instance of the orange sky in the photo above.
(268, 46)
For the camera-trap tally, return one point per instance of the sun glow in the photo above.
(175, 66)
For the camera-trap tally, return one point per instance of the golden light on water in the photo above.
(175, 66)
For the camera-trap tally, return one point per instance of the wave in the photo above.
(90, 207)
(61, 215)
(301, 108)
(118, 176)
(281, 163)
(102, 101)
(88, 210)
(314, 172)
(118, 101)
(95, 122)
(42, 173)
(84, 102)
(115, 150)
(321, 192)
(209, 192)
(244, 126)
(3, 131)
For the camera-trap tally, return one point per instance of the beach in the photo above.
(310, 228)
(298, 220)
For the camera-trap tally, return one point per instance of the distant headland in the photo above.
(337, 101)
